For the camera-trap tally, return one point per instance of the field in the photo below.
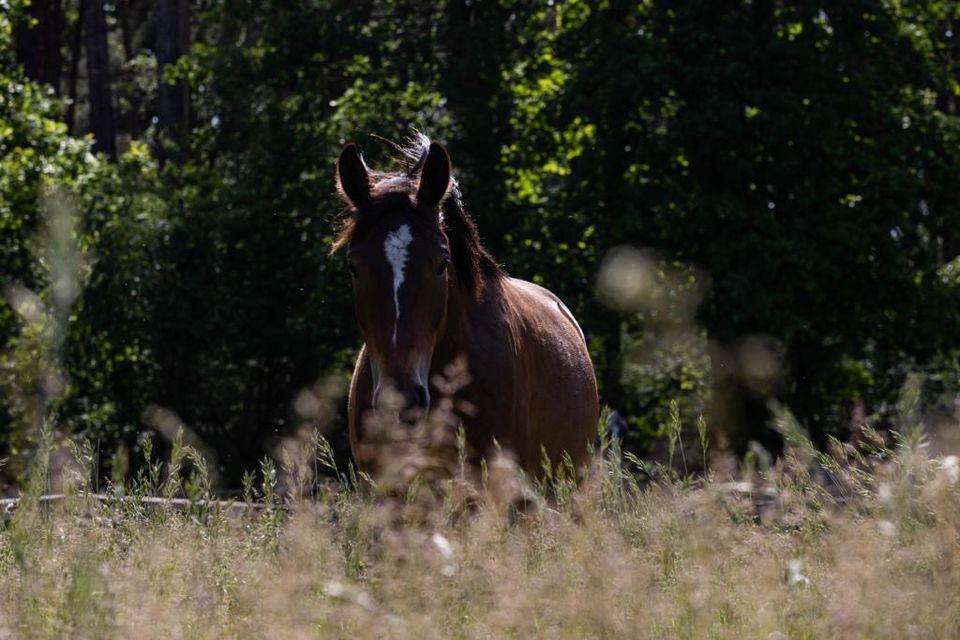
(862, 543)
(749, 207)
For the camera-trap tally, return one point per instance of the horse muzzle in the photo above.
(406, 398)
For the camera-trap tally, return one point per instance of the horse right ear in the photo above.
(353, 180)
(434, 178)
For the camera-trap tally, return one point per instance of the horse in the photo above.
(426, 292)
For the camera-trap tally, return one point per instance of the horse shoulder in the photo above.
(558, 374)
(545, 315)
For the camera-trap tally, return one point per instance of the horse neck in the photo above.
(462, 308)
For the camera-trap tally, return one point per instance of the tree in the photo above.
(791, 165)
(38, 40)
(35, 155)
(76, 47)
(98, 78)
(787, 151)
(171, 17)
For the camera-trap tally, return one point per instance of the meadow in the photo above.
(861, 542)
(748, 206)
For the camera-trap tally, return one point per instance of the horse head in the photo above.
(400, 262)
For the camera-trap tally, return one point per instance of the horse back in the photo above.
(556, 402)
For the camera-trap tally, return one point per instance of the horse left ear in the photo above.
(353, 178)
(434, 178)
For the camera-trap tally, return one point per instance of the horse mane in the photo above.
(474, 265)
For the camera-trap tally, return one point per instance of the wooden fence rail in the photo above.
(8, 506)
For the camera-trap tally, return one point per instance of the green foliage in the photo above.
(797, 155)
(34, 151)
(793, 167)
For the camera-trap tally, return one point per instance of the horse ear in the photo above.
(434, 178)
(353, 181)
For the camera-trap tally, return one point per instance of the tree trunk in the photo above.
(38, 46)
(98, 77)
(475, 39)
(171, 96)
(53, 59)
(76, 50)
(126, 31)
(26, 39)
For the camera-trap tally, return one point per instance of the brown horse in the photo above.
(427, 292)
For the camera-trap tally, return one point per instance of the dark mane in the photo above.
(474, 265)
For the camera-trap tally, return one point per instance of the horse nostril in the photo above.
(420, 397)
(390, 399)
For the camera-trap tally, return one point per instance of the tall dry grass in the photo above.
(859, 543)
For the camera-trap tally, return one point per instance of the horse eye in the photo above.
(443, 267)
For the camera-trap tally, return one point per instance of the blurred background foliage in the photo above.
(786, 173)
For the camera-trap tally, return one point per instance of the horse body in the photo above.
(532, 383)
(427, 293)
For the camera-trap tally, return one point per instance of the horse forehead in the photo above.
(399, 238)
(396, 245)
(408, 238)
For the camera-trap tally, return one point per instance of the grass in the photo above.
(860, 541)
(871, 553)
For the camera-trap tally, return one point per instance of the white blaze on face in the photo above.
(395, 248)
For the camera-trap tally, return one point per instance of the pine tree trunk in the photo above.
(171, 96)
(98, 77)
(126, 30)
(25, 40)
(38, 46)
(475, 39)
(76, 50)
(53, 41)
